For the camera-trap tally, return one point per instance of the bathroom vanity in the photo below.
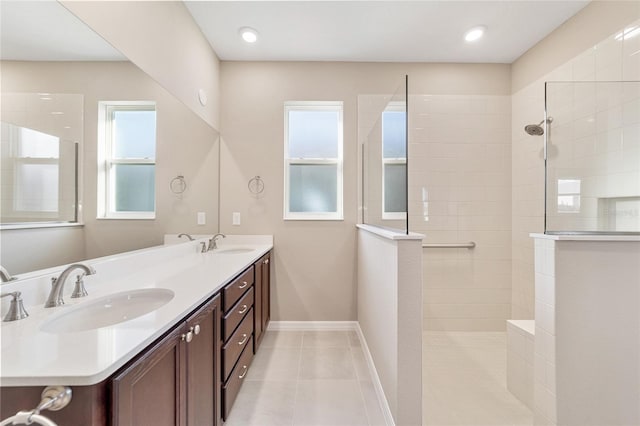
(188, 369)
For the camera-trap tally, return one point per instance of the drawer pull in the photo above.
(266, 262)
(244, 339)
(195, 329)
(244, 373)
(244, 309)
(244, 284)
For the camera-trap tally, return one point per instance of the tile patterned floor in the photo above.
(320, 378)
(317, 378)
(464, 381)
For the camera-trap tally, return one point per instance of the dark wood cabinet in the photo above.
(262, 284)
(203, 365)
(188, 377)
(176, 381)
(151, 389)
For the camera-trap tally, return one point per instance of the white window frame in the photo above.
(106, 194)
(399, 107)
(336, 106)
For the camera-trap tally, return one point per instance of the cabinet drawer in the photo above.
(232, 386)
(234, 291)
(232, 350)
(236, 314)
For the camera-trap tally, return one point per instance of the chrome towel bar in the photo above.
(468, 245)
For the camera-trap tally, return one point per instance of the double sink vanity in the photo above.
(165, 336)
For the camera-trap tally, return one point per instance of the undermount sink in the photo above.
(234, 250)
(109, 310)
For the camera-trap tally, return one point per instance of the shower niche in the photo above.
(592, 157)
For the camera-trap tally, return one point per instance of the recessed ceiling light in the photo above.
(475, 33)
(249, 34)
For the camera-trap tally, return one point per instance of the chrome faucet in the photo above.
(16, 308)
(57, 285)
(186, 235)
(213, 241)
(5, 275)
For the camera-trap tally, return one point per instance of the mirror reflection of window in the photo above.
(127, 160)
(394, 162)
(35, 156)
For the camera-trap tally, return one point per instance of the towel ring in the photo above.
(178, 185)
(54, 398)
(256, 185)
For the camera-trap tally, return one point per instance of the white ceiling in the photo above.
(46, 31)
(379, 31)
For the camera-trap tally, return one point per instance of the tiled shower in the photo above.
(459, 192)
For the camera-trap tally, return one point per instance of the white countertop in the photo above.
(32, 357)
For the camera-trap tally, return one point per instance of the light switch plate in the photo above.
(202, 218)
(236, 218)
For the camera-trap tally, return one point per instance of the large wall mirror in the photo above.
(57, 75)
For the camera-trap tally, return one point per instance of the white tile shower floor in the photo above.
(320, 378)
(464, 381)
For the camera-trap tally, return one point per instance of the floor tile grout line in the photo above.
(295, 397)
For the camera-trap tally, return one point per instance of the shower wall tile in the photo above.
(460, 191)
(589, 118)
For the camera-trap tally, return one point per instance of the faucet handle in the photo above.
(16, 308)
(79, 290)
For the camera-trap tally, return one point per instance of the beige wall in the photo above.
(604, 59)
(186, 145)
(163, 40)
(315, 261)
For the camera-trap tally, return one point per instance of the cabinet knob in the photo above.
(188, 337)
(266, 261)
(195, 329)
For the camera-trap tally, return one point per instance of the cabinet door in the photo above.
(263, 297)
(266, 291)
(151, 390)
(257, 305)
(203, 365)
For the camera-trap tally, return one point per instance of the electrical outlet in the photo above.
(236, 218)
(202, 218)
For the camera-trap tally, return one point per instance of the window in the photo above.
(568, 195)
(394, 163)
(127, 151)
(313, 161)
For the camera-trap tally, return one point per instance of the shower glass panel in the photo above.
(39, 138)
(382, 121)
(592, 149)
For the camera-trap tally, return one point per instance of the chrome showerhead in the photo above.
(536, 129)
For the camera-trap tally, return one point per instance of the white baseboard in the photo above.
(313, 325)
(377, 385)
(343, 325)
